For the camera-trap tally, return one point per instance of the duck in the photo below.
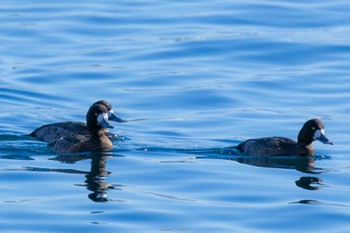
(281, 146)
(71, 136)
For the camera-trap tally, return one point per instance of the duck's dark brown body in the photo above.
(274, 146)
(79, 143)
(279, 146)
(70, 137)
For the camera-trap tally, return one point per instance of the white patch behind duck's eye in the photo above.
(102, 116)
(110, 112)
(318, 133)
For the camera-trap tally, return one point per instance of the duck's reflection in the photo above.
(303, 164)
(96, 177)
(307, 182)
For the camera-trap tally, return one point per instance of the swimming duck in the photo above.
(70, 137)
(274, 146)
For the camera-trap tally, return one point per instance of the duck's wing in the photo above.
(69, 144)
(271, 146)
(52, 132)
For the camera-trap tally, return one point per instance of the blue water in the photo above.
(193, 78)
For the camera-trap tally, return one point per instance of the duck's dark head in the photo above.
(313, 130)
(111, 114)
(99, 115)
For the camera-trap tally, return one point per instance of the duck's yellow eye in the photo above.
(96, 114)
(313, 128)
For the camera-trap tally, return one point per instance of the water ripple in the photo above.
(194, 79)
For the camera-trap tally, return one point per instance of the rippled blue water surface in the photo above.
(193, 78)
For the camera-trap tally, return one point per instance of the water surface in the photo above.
(193, 78)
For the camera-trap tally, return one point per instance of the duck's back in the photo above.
(52, 132)
(272, 146)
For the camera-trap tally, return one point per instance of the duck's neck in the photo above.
(306, 146)
(304, 138)
(304, 143)
(97, 134)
